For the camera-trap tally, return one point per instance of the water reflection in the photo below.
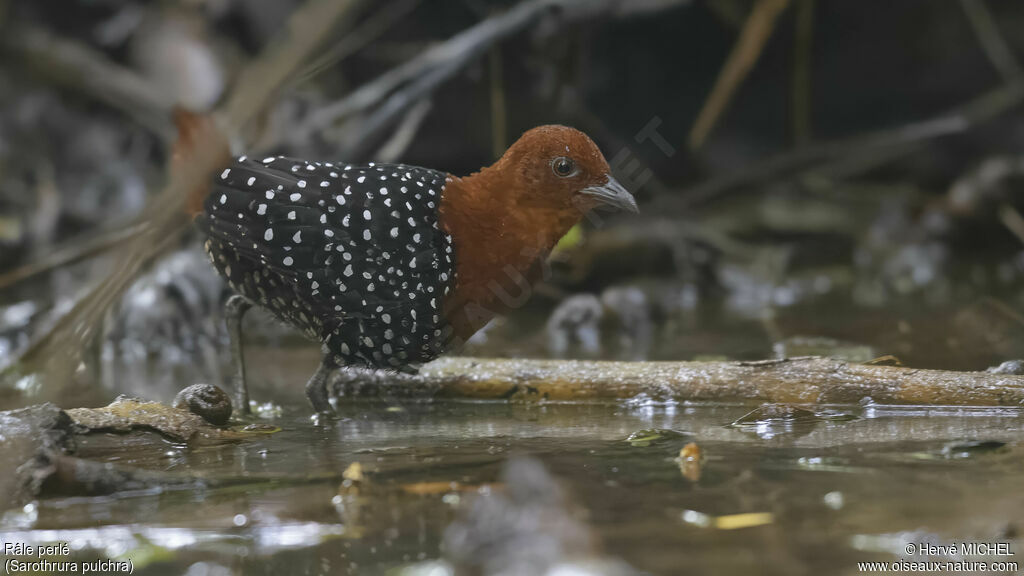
(831, 481)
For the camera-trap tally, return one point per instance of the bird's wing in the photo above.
(358, 242)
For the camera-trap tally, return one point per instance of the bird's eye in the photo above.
(563, 167)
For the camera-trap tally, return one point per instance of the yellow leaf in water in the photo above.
(354, 472)
(748, 520)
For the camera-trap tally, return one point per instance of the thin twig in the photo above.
(358, 38)
(69, 253)
(87, 71)
(421, 74)
(259, 82)
(755, 34)
(992, 42)
(899, 140)
(978, 111)
(1013, 221)
(377, 105)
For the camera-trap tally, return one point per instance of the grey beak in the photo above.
(612, 194)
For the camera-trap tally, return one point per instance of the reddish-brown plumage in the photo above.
(506, 218)
(198, 136)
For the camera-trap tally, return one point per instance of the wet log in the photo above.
(807, 380)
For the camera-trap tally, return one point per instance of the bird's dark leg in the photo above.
(316, 388)
(234, 311)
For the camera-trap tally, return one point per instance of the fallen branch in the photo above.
(795, 380)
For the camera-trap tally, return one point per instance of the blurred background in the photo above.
(813, 177)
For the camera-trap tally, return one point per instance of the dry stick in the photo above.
(376, 105)
(427, 72)
(859, 160)
(69, 253)
(795, 380)
(1012, 219)
(457, 50)
(756, 30)
(860, 153)
(992, 42)
(898, 140)
(60, 350)
(359, 37)
(91, 73)
(259, 81)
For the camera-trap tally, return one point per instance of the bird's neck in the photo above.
(501, 243)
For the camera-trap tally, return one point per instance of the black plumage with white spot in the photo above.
(353, 256)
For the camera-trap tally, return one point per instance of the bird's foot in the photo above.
(316, 391)
(234, 310)
(325, 419)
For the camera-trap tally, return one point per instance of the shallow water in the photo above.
(838, 490)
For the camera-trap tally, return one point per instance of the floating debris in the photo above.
(647, 437)
(354, 472)
(834, 500)
(825, 464)
(729, 521)
(972, 448)
(770, 420)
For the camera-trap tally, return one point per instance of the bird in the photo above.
(386, 265)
